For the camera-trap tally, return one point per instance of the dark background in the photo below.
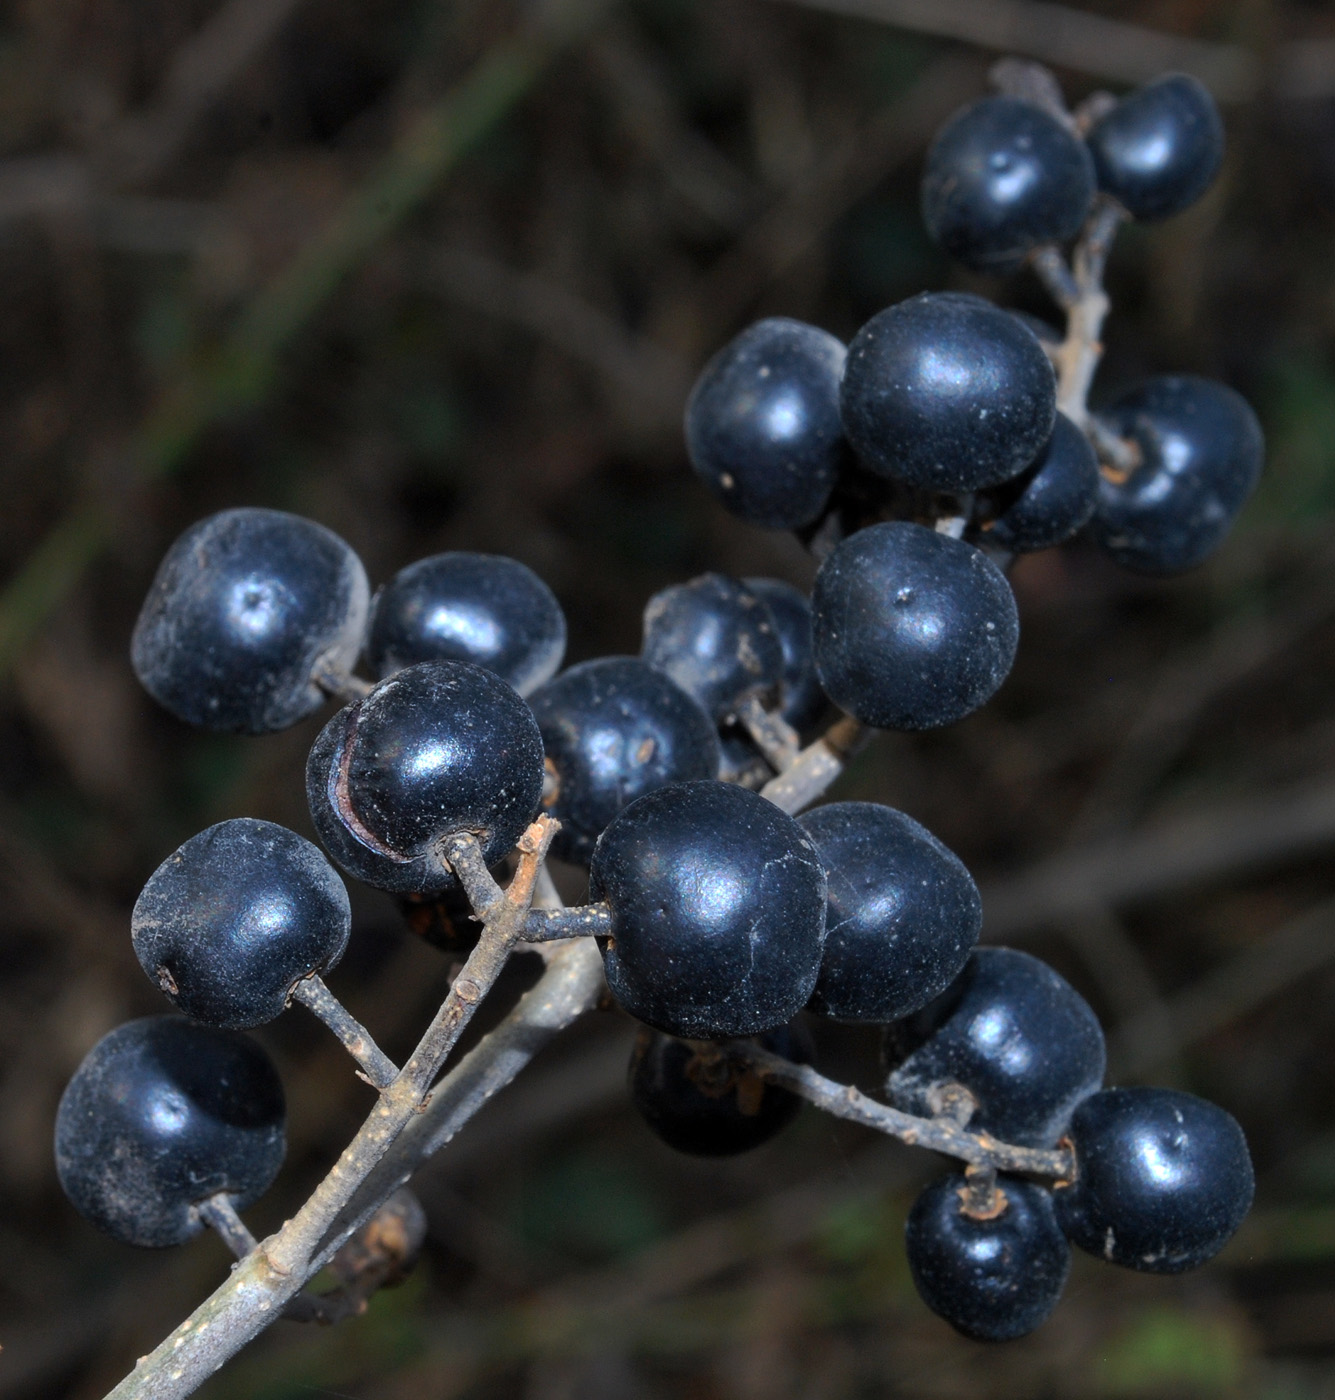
(439, 275)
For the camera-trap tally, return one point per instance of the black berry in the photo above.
(802, 700)
(718, 911)
(902, 913)
(912, 629)
(246, 609)
(235, 918)
(1162, 1179)
(947, 392)
(438, 748)
(483, 608)
(1053, 500)
(162, 1114)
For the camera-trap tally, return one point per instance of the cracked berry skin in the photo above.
(912, 629)
(762, 423)
(803, 701)
(716, 640)
(437, 748)
(1001, 177)
(1160, 148)
(161, 1114)
(718, 911)
(484, 608)
(993, 1280)
(1014, 1033)
(902, 913)
(947, 392)
(1052, 501)
(1201, 456)
(246, 607)
(1163, 1179)
(712, 1109)
(230, 922)
(614, 729)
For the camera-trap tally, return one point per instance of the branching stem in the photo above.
(378, 1068)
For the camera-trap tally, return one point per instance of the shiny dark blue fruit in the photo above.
(947, 392)
(717, 901)
(762, 423)
(1015, 1034)
(716, 640)
(246, 608)
(1053, 500)
(706, 1105)
(1159, 149)
(483, 608)
(613, 730)
(902, 913)
(994, 1279)
(1201, 456)
(802, 700)
(912, 629)
(228, 924)
(437, 748)
(1163, 1179)
(1003, 176)
(162, 1114)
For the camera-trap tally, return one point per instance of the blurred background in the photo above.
(439, 275)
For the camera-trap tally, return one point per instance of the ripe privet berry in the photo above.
(162, 1114)
(483, 608)
(706, 1105)
(1159, 149)
(993, 1278)
(1201, 454)
(912, 629)
(1015, 1034)
(1003, 176)
(716, 640)
(1162, 1179)
(1053, 500)
(947, 392)
(246, 609)
(614, 729)
(762, 423)
(230, 923)
(438, 748)
(802, 700)
(718, 911)
(902, 913)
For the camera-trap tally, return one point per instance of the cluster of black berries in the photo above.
(913, 462)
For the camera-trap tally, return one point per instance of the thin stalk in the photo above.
(316, 997)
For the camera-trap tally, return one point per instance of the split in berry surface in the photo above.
(483, 608)
(230, 922)
(1052, 501)
(162, 1114)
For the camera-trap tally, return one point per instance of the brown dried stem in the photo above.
(377, 1067)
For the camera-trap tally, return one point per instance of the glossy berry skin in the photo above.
(1012, 1031)
(246, 606)
(993, 1280)
(762, 423)
(1202, 452)
(712, 1110)
(912, 629)
(718, 911)
(1159, 149)
(1003, 176)
(716, 640)
(228, 924)
(613, 730)
(162, 1114)
(902, 913)
(802, 700)
(483, 608)
(947, 392)
(1163, 1179)
(440, 747)
(1051, 502)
